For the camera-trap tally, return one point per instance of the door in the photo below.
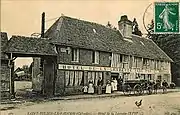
(49, 72)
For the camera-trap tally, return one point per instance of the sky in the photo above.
(23, 17)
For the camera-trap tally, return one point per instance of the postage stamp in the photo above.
(166, 16)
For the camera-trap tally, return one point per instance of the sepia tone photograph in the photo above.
(90, 57)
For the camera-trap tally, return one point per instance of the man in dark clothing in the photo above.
(164, 84)
(99, 84)
(119, 85)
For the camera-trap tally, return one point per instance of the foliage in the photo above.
(136, 30)
(170, 44)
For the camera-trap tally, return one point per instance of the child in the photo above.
(85, 89)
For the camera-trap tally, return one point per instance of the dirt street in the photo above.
(158, 104)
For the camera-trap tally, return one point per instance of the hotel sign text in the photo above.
(90, 68)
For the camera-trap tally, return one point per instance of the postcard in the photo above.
(90, 57)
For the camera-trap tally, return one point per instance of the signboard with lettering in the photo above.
(88, 68)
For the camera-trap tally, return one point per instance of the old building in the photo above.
(21, 46)
(88, 50)
(75, 51)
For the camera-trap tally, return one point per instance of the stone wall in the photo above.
(5, 80)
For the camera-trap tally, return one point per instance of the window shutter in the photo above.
(77, 55)
(67, 77)
(97, 57)
(71, 78)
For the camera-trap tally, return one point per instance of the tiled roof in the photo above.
(89, 35)
(30, 45)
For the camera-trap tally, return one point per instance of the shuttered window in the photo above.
(75, 55)
(95, 57)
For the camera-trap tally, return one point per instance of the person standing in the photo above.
(99, 84)
(108, 87)
(119, 83)
(115, 84)
(164, 86)
(91, 87)
(112, 85)
(85, 89)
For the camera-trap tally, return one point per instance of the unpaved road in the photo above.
(157, 104)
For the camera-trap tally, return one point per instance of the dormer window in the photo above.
(95, 57)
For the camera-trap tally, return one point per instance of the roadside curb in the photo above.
(76, 97)
(100, 96)
(86, 97)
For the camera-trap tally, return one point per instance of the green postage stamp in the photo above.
(167, 17)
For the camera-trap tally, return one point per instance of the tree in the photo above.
(136, 30)
(170, 44)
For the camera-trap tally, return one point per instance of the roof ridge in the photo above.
(22, 36)
(88, 22)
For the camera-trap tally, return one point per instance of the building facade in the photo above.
(87, 51)
(75, 51)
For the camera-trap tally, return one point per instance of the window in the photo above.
(121, 58)
(155, 64)
(95, 58)
(74, 78)
(130, 62)
(145, 62)
(125, 59)
(94, 76)
(71, 77)
(75, 55)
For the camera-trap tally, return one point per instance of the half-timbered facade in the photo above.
(89, 50)
(75, 51)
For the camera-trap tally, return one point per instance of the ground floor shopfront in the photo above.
(71, 79)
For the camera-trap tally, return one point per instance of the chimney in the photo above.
(43, 25)
(125, 26)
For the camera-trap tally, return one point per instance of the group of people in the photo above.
(157, 84)
(111, 86)
(116, 85)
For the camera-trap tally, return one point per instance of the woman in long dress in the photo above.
(112, 85)
(91, 87)
(108, 87)
(165, 14)
(115, 84)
